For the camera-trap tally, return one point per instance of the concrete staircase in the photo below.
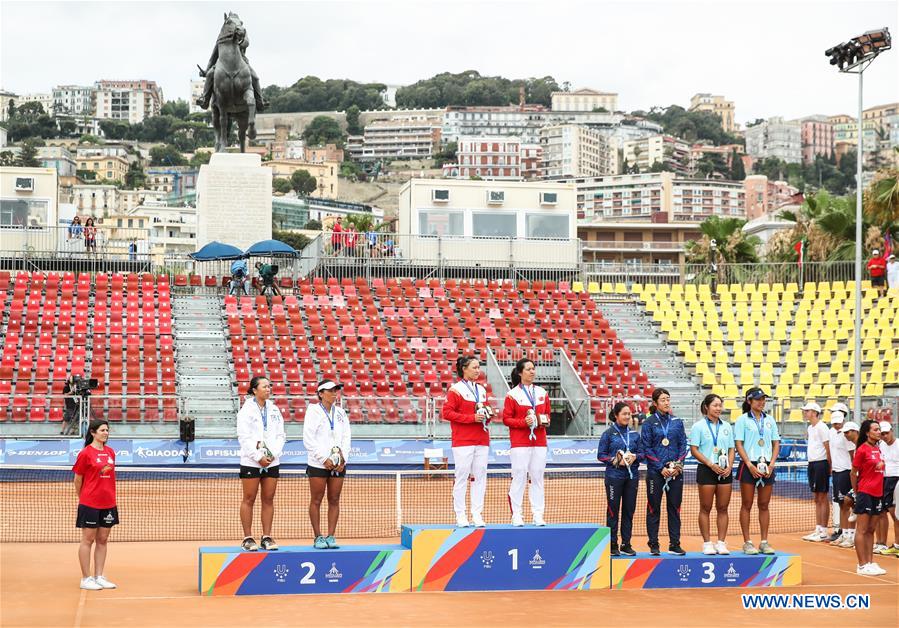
(204, 372)
(664, 368)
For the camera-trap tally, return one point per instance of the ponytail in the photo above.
(462, 362)
(516, 372)
(93, 427)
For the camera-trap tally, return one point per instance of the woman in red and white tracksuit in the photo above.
(467, 410)
(526, 412)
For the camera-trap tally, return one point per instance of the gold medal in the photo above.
(716, 450)
(665, 442)
(762, 442)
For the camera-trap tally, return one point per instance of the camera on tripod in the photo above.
(82, 386)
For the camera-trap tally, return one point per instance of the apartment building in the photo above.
(108, 168)
(722, 108)
(775, 137)
(131, 101)
(571, 150)
(817, 138)
(658, 149)
(74, 100)
(584, 99)
(486, 157)
(411, 137)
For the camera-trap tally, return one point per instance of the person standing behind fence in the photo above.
(468, 411)
(337, 236)
(665, 448)
(240, 278)
(260, 433)
(95, 485)
(758, 443)
(90, 236)
(526, 412)
(712, 444)
(889, 451)
(819, 464)
(867, 484)
(621, 450)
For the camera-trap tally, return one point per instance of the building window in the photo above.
(18, 212)
(552, 226)
(494, 225)
(440, 223)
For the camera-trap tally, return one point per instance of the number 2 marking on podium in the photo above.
(514, 554)
(708, 574)
(310, 570)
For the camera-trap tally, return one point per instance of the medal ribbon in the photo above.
(532, 399)
(664, 425)
(626, 437)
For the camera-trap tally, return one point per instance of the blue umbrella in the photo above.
(271, 248)
(215, 251)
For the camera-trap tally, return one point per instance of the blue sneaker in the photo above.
(332, 543)
(320, 543)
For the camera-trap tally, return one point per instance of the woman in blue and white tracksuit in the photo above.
(260, 432)
(621, 450)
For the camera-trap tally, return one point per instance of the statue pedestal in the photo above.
(234, 200)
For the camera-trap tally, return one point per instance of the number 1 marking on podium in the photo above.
(514, 554)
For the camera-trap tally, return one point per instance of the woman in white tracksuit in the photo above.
(260, 432)
(526, 412)
(326, 436)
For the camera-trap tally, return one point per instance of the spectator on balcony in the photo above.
(371, 239)
(351, 237)
(892, 272)
(877, 268)
(90, 236)
(337, 236)
(76, 229)
(132, 250)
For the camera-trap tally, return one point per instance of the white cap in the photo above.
(327, 384)
(811, 405)
(849, 426)
(886, 426)
(840, 407)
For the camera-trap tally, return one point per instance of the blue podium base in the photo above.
(303, 569)
(506, 558)
(697, 570)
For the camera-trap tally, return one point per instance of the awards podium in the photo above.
(562, 557)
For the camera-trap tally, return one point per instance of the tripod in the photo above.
(80, 420)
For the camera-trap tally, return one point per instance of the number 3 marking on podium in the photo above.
(514, 554)
(310, 570)
(708, 574)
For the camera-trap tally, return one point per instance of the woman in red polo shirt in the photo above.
(469, 413)
(867, 484)
(526, 412)
(95, 485)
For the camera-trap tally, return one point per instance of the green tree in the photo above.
(67, 128)
(297, 240)
(470, 88)
(446, 155)
(732, 244)
(362, 222)
(351, 170)
(303, 183)
(310, 93)
(115, 129)
(135, 178)
(281, 185)
(7, 158)
(323, 130)
(313, 225)
(737, 170)
(89, 139)
(28, 155)
(177, 108)
(881, 199)
(692, 126)
(352, 121)
(166, 155)
(200, 158)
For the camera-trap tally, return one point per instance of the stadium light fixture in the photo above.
(854, 57)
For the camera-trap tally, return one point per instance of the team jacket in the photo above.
(611, 442)
(459, 410)
(515, 411)
(319, 438)
(652, 433)
(250, 433)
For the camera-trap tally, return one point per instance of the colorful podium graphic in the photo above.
(504, 558)
(696, 570)
(353, 569)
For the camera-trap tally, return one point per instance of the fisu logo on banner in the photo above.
(487, 559)
(683, 572)
(281, 572)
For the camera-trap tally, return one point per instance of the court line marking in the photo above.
(851, 573)
(80, 611)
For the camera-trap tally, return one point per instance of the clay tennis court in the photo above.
(158, 579)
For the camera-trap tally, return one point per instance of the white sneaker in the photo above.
(461, 522)
(814, 536)
(103, 582)
(478, 521)
(517, 521)
(721, 547)
(89, 584)
(539, 522)
(879, 549)
(847, 542)
(709, 548)
(875, 570)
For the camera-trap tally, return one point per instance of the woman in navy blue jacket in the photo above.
(621, 450)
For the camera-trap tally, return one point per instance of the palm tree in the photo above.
(881, 201)
(732, 244)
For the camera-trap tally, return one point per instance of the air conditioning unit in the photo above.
(496, 197)
(440, 196)
(24, 184)
(549, 198)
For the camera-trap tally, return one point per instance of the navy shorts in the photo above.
(866, 504)
(88, 517)
(819, 476)
(256, 473)
(745, 476)
(706, 477)
(841, 485)
(315, 472)
(889, 489)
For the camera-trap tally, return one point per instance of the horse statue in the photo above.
(232, 87)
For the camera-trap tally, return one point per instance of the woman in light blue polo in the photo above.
(758, 443)
(712, 445)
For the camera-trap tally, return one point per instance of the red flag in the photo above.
(799, 247)
(887, 245)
